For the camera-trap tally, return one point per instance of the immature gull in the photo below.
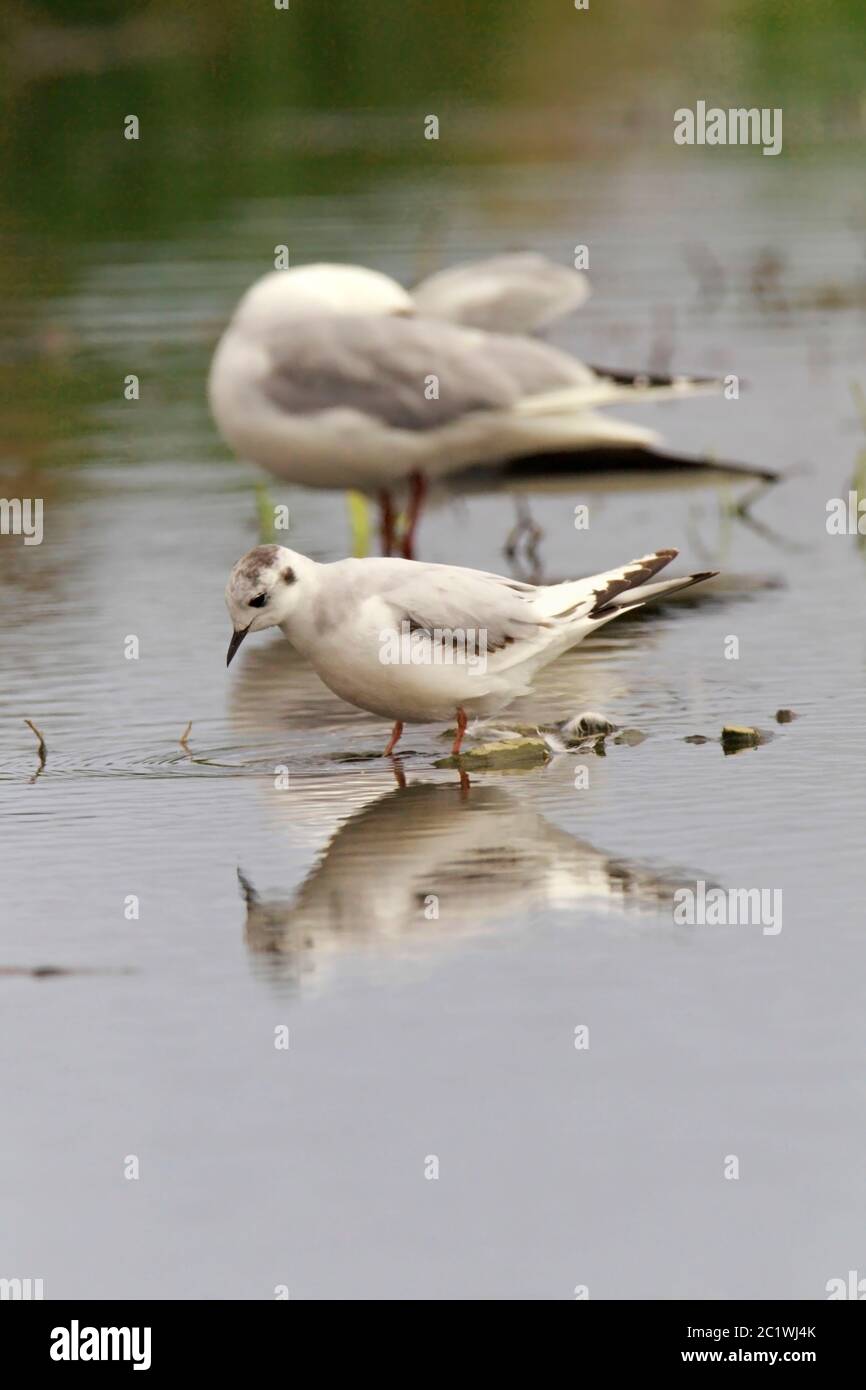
(417, 643)
(329, 376)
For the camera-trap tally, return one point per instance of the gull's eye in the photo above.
(259, 601)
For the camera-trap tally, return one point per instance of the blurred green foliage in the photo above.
(238, 99)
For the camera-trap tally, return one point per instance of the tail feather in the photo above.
(591, 602)
(587, 430)
(571, 611)
(581, 598)
(611, 390)
(628, 579)
(644, 593)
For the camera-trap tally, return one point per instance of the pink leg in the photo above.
(417, 491)
(386, 521)
(461, 730)
(394, 739)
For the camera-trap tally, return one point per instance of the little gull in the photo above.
(473, 643)
(334, 376)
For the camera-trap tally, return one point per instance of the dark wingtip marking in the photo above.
(641, 378)
(632, 577)
(685, 583)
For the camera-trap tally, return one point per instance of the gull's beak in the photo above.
(237, 637)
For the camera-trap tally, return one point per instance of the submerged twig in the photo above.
(43, 751)
(46, 972)
(183, 738)
(741, 511)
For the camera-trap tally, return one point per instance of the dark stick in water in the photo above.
(43, 751)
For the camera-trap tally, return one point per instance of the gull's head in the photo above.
(285, 295)
(264, 589)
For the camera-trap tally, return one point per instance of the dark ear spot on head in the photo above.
(288, 575)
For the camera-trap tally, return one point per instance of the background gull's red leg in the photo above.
(417, 492)
(386, 522)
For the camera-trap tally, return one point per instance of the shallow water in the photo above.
(305, 906)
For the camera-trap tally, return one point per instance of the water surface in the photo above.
(307, 906)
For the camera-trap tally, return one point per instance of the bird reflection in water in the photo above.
(427, 865)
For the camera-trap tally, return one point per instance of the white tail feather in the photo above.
(605, 392)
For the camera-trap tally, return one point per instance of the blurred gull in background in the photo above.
(334, 376)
